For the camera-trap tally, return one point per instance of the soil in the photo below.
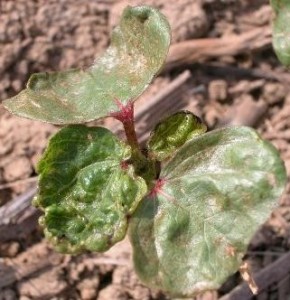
(245, 87)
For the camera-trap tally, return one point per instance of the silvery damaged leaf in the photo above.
(192, 230)
(138, 50)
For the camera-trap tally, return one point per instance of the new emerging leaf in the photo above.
(87, 190)
(191, 233)
(138, 50)
(172, 132)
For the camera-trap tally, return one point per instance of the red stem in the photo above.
(131, 135)
(126, 116)
(143, 166)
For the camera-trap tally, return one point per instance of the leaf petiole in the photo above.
(143, 165)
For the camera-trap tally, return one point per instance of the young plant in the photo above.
(190, 202)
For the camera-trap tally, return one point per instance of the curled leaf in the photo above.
(138, 49)
(86, 189)
(193, 229)
(172, 132)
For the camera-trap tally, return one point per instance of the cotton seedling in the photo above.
(190, 201)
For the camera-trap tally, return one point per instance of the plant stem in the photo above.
(143, 166)
(138, 158)
(131, 135)
(126, 116)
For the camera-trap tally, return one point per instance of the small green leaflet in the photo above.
(138, 50)
(172, 132)
(86, 189)
(281, 30)
(192, 231)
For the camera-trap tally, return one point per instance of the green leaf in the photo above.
(193, 229)
(281, 30)
(138, 50)
(171, 133)
(87, 190)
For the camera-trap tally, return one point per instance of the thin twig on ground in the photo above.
(18, 182)
(189, 52)
(265, 278)
(13, 208)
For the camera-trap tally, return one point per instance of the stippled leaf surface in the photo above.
(172, 132)
(138, 49)
(281, 30)
(86, 189)
(190, 234)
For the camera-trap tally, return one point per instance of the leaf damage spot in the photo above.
(90, 137)
(124, 165)
(231, 251)
(272, 180)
